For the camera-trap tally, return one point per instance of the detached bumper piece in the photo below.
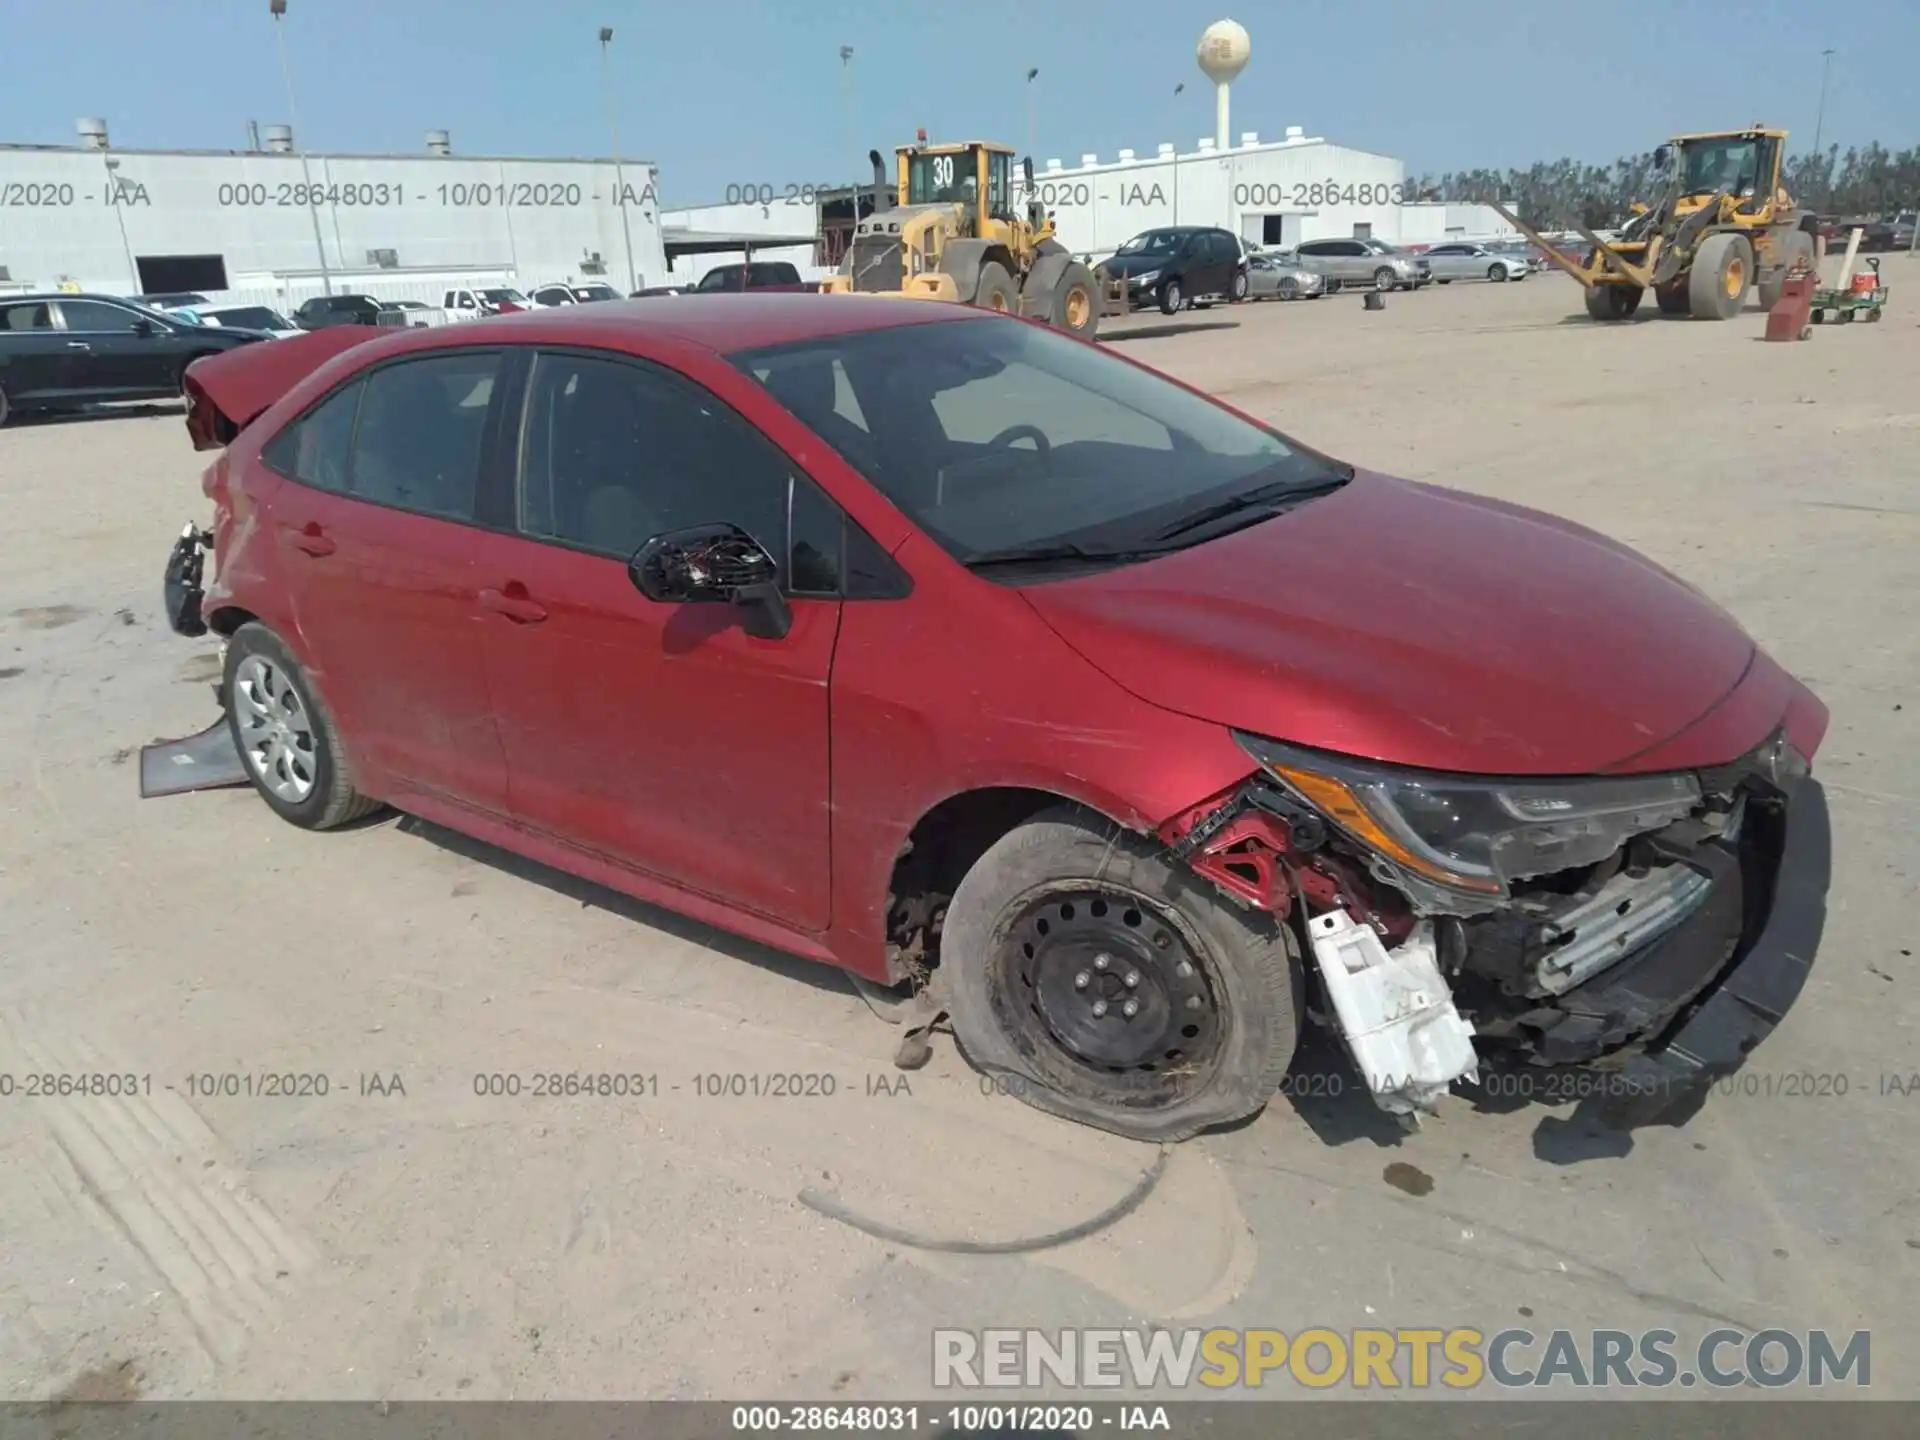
(1667, 1082)
(183, 588)
(206, 761)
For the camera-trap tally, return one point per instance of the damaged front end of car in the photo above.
(1655, 927)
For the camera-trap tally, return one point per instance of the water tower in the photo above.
(1222, 53)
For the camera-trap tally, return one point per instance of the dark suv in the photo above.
(1177, 265)
(59, 352)
(323, 311)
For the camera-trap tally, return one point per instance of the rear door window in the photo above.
(33, 315)
(422, 426)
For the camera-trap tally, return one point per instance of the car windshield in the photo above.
(1154, 242)
(503, 297)
(595, 292)
(1005, 441)
(1380, 247)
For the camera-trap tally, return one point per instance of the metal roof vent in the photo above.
(439, 142)
(1126, 157)
(280, 139)
(92, 132)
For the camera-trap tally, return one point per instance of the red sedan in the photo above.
(967, 655)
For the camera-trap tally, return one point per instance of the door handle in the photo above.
(78, 345)
(517, 608)
(312, 540)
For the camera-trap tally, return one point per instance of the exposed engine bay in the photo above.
(1575, 964)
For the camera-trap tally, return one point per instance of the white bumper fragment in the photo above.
(1396, 1012)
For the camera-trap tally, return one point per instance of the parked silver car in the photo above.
(1369, 262)
(1274, 277)
(1467, 260)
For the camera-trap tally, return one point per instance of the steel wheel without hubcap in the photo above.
(1096, 981)
(276, 731)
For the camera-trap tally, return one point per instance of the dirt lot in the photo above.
(403, 1237)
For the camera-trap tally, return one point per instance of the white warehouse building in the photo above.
(270, 225)
(1272, 193)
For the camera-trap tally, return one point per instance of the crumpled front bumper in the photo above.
(1742, 1005)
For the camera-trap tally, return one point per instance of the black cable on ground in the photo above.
(830, 1207)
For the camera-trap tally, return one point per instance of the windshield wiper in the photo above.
(1054, 551)
(1271, 498)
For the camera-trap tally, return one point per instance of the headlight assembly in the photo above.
(1472, 834)
(1146, 277)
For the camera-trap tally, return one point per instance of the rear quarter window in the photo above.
(315, 448)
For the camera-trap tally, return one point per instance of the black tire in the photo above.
(1718, 279)
(1443, 282)
(1172, 298)
(1497, 273)
(1672, 297)
(332, 801)
(1385, 279)
(1288, 289)
(1075, 304)
(1613, 302)
(6, 406)
(1333, 286)
(995, 289)
(1237, 287)
(1216, 1042)
(1795, 246)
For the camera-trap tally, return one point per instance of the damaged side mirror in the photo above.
(714, 563)
(1662, 158)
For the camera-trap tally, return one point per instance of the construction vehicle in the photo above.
(1721, 225)
(953, 234)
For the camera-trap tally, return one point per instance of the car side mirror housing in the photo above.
(704, 564)
(143, 326)
(1662, 157)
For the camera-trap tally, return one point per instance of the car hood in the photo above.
(1137, 264)
(1416, 625)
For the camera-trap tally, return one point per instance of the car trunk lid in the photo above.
(226, 392)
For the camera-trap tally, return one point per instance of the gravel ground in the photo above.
(402, 1237)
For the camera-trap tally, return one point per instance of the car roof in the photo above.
(726, 323)
(73, 295)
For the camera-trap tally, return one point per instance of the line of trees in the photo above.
(1865, 181)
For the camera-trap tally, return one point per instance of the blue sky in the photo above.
(726, 92)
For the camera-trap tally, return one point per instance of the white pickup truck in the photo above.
(474, 304)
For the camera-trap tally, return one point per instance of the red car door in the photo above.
(376, 539)
(662, 737)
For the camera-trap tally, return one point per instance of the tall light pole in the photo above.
(853, 126)
(1176, 154)
(278, 9)
(1032, 74)
(619, 181)
(1820, 114)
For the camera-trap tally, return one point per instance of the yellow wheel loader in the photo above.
(1720, 226)
(953, 234)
